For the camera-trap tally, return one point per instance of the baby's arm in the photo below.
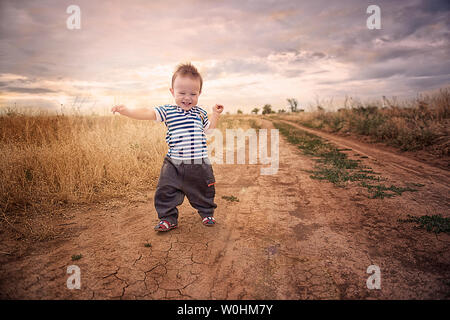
(217, 110)
(139, 114)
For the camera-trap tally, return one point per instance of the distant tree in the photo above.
(281, 111)
(255, 110)
(239, 111)
(293, 103)
(267, 109)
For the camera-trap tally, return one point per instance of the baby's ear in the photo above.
(171, 91)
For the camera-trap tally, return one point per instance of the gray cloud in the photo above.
(116, 37)
(288, 63)
(236, 66)
(28, 90)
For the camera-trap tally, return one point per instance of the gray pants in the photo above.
(178, 179)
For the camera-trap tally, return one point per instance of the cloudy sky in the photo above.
(249, 52)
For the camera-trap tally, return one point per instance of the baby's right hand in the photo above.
(120, 109)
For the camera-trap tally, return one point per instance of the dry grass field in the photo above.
(422, 123)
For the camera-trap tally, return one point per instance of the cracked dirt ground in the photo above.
(288, 237)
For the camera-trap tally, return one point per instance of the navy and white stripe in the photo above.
(185, 131)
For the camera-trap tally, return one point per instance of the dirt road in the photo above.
(288, 237)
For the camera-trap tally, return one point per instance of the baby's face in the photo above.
(186, 92)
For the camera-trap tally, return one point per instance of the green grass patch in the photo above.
(368, 171)
(337, 159)
(339, 176)
(230, 198)
(334, 166)
(76, 257)
(382, 191)
(435, 223)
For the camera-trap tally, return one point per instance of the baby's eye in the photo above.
(182, 92)
(193, 94)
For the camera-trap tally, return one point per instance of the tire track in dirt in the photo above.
(392, 159)
(288, 237)
(413, 262)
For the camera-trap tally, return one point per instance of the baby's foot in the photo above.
(164, 225)
(209, 221)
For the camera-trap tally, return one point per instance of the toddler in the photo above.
(186, 169)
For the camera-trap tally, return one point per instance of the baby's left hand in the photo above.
(218, 108)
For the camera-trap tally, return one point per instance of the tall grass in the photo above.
(421, 123)
(49, 160)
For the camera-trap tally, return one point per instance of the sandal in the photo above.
(164, 225)
(209, 221)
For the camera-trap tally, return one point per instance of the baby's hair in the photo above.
(187, 69)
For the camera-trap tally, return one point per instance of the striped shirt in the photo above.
(185, 131)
